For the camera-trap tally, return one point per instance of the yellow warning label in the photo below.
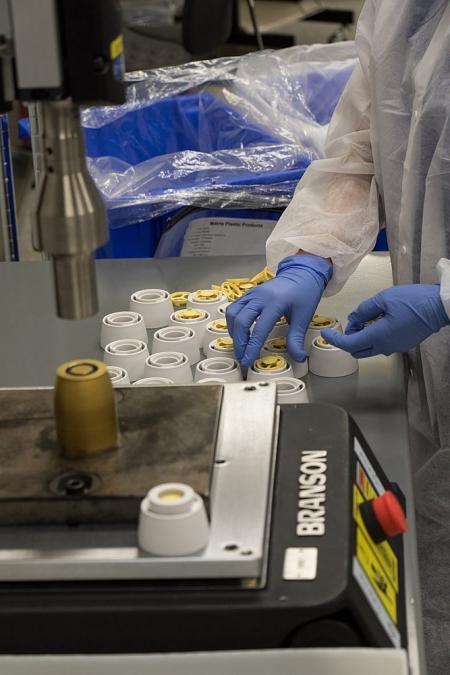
(364, 483)
(376, 574)
(116, 47)
(383, 551)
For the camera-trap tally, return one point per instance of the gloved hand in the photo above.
(294, 293)
(403, 317)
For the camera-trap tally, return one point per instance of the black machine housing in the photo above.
(337, 608)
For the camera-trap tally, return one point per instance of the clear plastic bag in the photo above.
(232, 132)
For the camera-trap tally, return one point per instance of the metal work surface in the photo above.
(34, 342)
(152, 450)
(239, 501)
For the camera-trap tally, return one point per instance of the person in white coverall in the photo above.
(387, 164)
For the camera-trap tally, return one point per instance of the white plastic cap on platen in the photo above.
(153, 382)
(118, 376)
(129, 355)
(177, 338)
(155, 306)
(218, 367)
(172, 521)
(122, 325)
(173, 365)
(290, 390)
(329, 361)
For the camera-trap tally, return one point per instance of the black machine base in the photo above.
(327, 585)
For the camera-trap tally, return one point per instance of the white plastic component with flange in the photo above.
(268, 368)
(173, 365)
(212, 380)
(128, 354)
(208, 300)
(278, 346)
(153, 382)
(197, 319)
(122, 325)
(177, 338)
(222, 310)
(172, 521)
(214, 329)
(222, 346)
(290, 390)
(155, 306)
(317, 324)
(118, 376)
(218, 367)
(328, 361)
(280, 329)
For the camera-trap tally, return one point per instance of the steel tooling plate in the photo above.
(167, 434)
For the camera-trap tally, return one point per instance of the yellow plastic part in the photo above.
(282, 321)
(322, 321)
(220, 324)
(272, 363)
(247, 286)
(206, 295)
(224, 343)
(190, 314)
(179, 298)
(85, 408)
(277, 344)
(238, 282)
(321, 342)
(231, 291)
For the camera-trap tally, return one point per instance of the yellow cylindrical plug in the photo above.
(85, 408)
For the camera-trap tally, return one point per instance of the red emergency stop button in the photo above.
(384, 517)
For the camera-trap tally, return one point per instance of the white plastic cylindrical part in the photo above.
(268, 368)
(172, 521)
(218, 367)
(222, 310)
(278, 346)
(155, 306)
(329, 361)
(118, 376)
(127, 354)
(214, 330)
(177, 338)
(317, 324)
(208, 300)
(280, 329)
(222, 346)
(197, 319)
(290, 390)
(211, 380)
(122, 325)
(153, 382)
(173, 365)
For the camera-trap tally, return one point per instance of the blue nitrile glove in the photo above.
(294, 293)
(403, 317)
